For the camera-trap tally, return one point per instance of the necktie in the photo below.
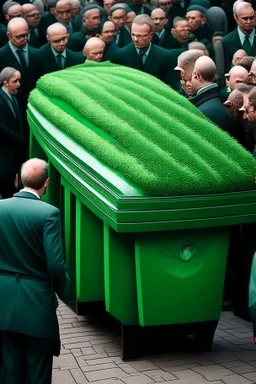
(142, 56)
(21, 55)
(59, 61)
(247, 46)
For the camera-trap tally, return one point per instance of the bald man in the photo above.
(32, 272)
(11, 131)
(32, 17)
(54, 55)
(206, 97)
(18, 54)
(94, 49)
(238, 55)
(236, 75)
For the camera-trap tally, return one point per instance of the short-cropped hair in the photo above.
(34, 173)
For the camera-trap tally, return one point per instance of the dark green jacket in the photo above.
(31, 247)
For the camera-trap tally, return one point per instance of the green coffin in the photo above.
(148, 186)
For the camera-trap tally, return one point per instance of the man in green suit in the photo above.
(32, 269)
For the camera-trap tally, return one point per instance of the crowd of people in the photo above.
(200, 48)
(203, 49)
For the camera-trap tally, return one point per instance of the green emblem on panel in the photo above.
(187, 250)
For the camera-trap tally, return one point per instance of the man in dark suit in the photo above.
(107, 34)
(11, 131)
(32, 269)
(17, 54)
(178, 38)
(118, 15)
(243, 37)
(91, 18)
(142, 54)
(207, 98)
(32, 17)
(172, 10)
(54, 55)
(196, 16)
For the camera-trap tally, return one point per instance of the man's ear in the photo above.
(110, 18)
(173, 31)
(203, 20)
(47, 181)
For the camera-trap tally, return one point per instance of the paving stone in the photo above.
(235, 379)
(138, 379)
(213, 372)
(127, 368)
(106, 374)
(78, 376)
(76, 345)
(98, 367)
(142, 365)
(65, 362)
(250, 376)
(62, 377)
(158, 375)
(243, 368)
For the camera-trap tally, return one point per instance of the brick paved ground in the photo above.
(91, 353)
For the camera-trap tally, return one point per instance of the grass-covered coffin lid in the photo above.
(155, 137)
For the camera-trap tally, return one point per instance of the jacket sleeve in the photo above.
(54, 253)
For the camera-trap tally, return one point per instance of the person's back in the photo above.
(207, 98)
(32, 270)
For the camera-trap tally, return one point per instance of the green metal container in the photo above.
(155, 259)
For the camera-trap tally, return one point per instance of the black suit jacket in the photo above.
(225, 50)
(168, 41)
(49, 63)
(210, 105)
(29, 75)
(157, 63)
(11, 141)
(124, 38)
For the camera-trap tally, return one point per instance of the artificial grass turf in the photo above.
(155, 137)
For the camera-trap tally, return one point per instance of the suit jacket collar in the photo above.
(205, 96)
(26, 195)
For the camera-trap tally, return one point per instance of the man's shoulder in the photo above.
(230, 36)
(5, 49)
(45, 49)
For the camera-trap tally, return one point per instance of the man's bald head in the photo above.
(237, 98)
(17, 32)
(205, 68)
(34, 175)
(57, 35)
(238, 56)
(94, 49)
(56, 28)
(31, 15)
(237, 74)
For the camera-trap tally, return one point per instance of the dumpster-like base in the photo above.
(139, 341)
